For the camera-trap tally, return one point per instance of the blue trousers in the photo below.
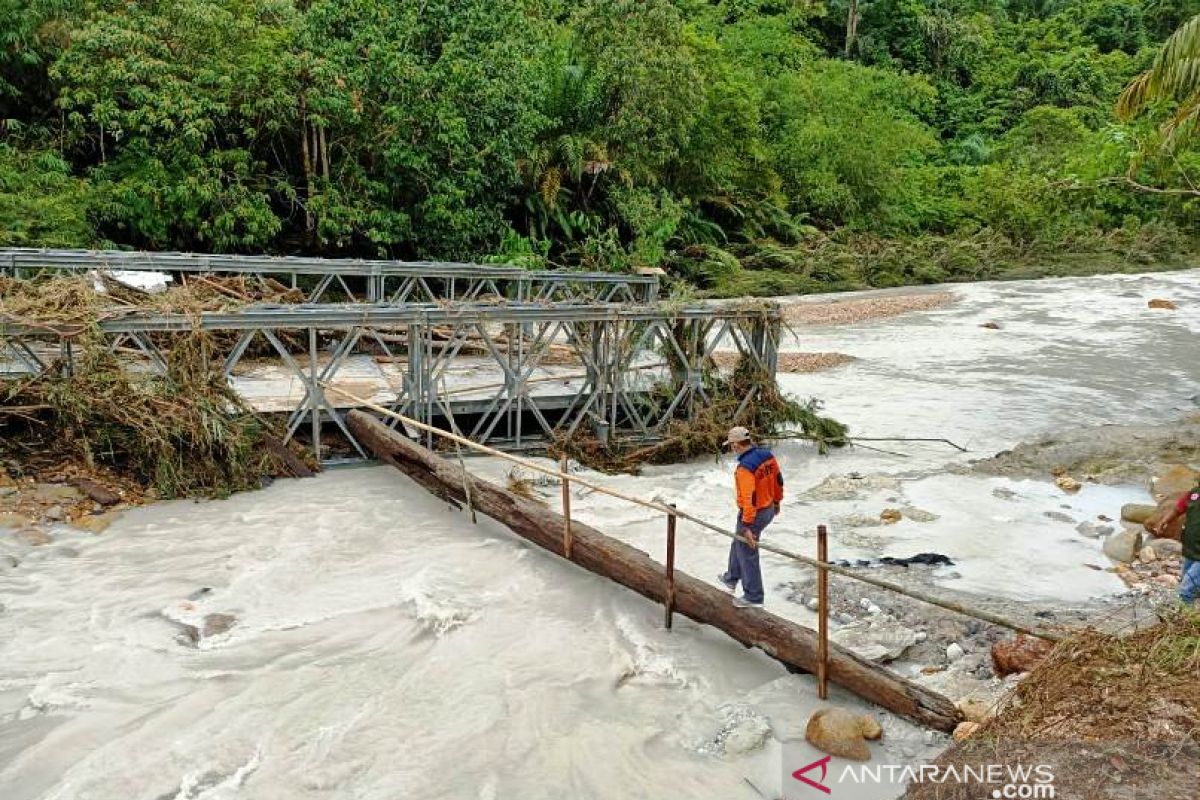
(743, 559)
(1189, 585)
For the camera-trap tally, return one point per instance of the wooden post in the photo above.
(822, 615)
(669, 594)
(566, 505)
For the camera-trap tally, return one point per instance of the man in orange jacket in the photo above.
(759, 489)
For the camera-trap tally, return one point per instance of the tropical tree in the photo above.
(1173, 78)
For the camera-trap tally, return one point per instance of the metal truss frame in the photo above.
(377, 281)
(634, 369)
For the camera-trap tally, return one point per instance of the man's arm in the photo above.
(1175, 513)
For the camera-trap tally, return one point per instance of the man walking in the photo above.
(1189, 580)
(758, 485)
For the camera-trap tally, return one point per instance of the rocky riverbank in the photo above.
(37, 508)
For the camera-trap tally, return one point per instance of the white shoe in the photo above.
(741, 602)
(729, 587)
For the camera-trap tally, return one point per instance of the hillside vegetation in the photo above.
(748, 146)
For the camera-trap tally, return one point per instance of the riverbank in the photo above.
(855, 262)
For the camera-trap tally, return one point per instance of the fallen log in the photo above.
(791, 644)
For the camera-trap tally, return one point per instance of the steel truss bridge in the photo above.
(513, 375)
(355, 280)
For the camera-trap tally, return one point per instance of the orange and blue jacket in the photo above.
(758, 482)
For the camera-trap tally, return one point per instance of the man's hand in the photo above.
(751, 540)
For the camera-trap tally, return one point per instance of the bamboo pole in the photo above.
(669, 594)
(949, 605)
(566, 505)
(822, 615)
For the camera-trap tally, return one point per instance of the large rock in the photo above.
(1161, 303)
(842, 733)
(880, 638)
(95, 523)
(1168, 548)
(1019, 654)
(975, 709)
(1123, 546)
(1137, 513)
(34, 537)
(965, 730)
(101, 494)
(1174, 480)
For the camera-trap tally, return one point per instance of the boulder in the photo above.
(1067, 484)
(101, 494)
(1093, 531)
(842, 733)
(1019, 654)
(954, 651)
(1137, 513)
(965, 730)
(991, 325)
(975, 709)
(1147, 555)
(94, 523)
(215, 624)
(1168, 548)
(55, 513)
(880, 638)
(34, 537)
(1123, 546)
(890, 516)
(1160, 303)
(1059, 516)
(51, 493)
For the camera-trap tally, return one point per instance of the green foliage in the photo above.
(740, 143)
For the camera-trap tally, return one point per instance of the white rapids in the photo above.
(383, 647)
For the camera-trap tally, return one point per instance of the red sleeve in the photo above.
(1185, 500)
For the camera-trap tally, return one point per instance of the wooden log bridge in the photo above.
(789, 643)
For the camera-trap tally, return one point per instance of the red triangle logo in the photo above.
(824, 765)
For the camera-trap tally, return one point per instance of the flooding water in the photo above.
(386, 648)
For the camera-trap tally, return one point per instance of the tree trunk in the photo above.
(789, 643)
(851, 26)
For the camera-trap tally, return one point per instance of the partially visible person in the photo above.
(1189, 505)
(758, 487)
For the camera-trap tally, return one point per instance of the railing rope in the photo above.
(663, 508)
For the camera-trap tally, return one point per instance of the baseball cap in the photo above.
(736, 435)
